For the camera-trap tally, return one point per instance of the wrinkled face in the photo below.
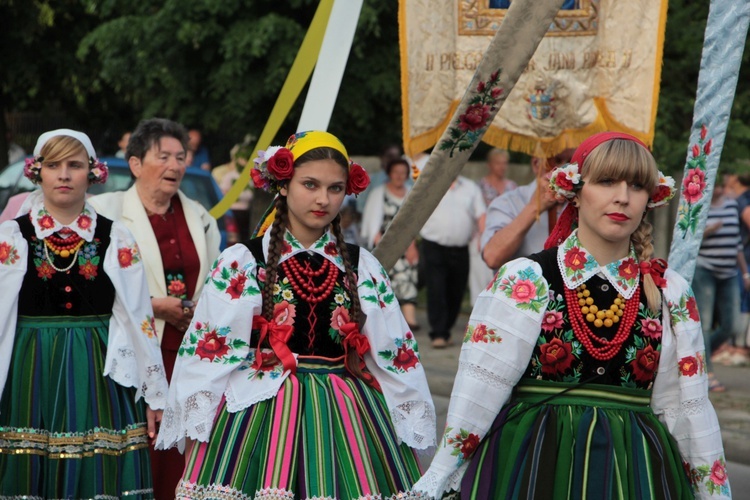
(314, 196)
(162, 168)
(610, 210)
(398, 174)
(64, 183)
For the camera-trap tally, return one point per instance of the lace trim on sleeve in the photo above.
(194, 420)
(436, 485)
(486, 376)
(414, 422)
(687, 408)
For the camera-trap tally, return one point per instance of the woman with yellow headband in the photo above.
(299, 377)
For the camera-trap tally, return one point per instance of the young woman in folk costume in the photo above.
(299, 377)
(77, 344)
(582, 373)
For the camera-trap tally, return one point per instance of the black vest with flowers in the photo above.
(316, 331)
(84, 290)
(559, 356)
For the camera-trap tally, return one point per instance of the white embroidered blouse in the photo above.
(231, 298)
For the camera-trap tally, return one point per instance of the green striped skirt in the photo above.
(593, 442)
(326, 434)
(66, 431)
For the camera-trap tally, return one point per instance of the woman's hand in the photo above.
(153, 420)
(170, 309)
(189, 443)
(412, 254)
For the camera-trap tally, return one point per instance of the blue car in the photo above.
(197, 184)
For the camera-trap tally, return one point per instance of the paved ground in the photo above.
(732, 406)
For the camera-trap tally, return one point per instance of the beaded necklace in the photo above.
(599, 348)
(52, 263)
(301, 278)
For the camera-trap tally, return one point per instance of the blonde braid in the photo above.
(644, 249)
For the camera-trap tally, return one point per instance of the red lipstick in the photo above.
(618, 217)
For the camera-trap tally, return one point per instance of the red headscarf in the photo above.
(569, 215)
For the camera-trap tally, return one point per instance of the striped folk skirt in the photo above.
(325, 435)
(66, 431)
(594, 442)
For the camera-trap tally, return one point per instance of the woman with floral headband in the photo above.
(78, 352)
(299, 377)
(582, 373)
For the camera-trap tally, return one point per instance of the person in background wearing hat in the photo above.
(81, 375)
(179, 241)
(299, 377)
(583, 370)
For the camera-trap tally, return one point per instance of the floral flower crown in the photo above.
(98, 171)
(274, 167)
(566, 181)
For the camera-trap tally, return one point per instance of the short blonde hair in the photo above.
(620, 159)
(61, 147)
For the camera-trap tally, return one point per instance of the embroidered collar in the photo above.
(45, 225)
(325, 246)
(577, 266)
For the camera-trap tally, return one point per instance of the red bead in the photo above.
(68, 305)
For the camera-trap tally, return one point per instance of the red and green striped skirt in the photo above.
(326, 434)
(66, 431)
(593, 442)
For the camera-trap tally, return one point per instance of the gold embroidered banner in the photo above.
(598, 68)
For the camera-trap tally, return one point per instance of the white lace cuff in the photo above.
(193, 420)
(414, 422)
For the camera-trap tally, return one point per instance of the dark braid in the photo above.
(274, 254)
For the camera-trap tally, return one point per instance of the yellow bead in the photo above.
(618, 301)
(583, 286)
(580, 295)
(608, 322)
(581, 302)
(589, 300)
(619, 312)
(585, 310)
(598, 323)
(593, 308)
(615, 319)
(590, 317)
(609, 313)
(614, 307)
(586, 293)
(64, 254)
(600, 315)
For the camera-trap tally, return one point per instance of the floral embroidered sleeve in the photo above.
(394, 357)
(13, 259)
(499, 341)
(216, 347)
(133, 355)
(680, 395)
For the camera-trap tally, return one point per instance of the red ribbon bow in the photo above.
(277, 335)
(354, 339)
(656, 268)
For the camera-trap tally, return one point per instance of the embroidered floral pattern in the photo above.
(176, 286)
(148, 326)
(692, 365)
(463, 442)
(88, 260)
(270, 366)
(405, 357)
(8, 253)
(480, 333)
(556, 356)
(694, 184)
(470, 125)
(648, 323)
(211, 344)
(127, 256)
(644, 361)
(382, 293)
(576, 259)
(231, 279)
(684, 310)
(527, 289)
(626, 272)
(713, 477)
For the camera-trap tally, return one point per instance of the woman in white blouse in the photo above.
(77, 343)
(582, 373)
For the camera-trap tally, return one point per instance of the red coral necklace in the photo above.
(597, 347)
(301, 278)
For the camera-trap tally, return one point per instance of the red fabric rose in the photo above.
(284, 313)
(46, 222)
(84, 221)
(212, 346)
(556, 356)
(575, 258)
(563, 181)
(693, 185)
(358, 179)
(258, 180)
(331, 249)
(281, 164)
(480, 331)
(469, 445)
(662, 192)
(125, 257)
(718, 473)
(237, 286)
(692, 309)
(688, 366)
(645, 364)
(176, 288)
(405, 358)
(474, 118)
(628, 269)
